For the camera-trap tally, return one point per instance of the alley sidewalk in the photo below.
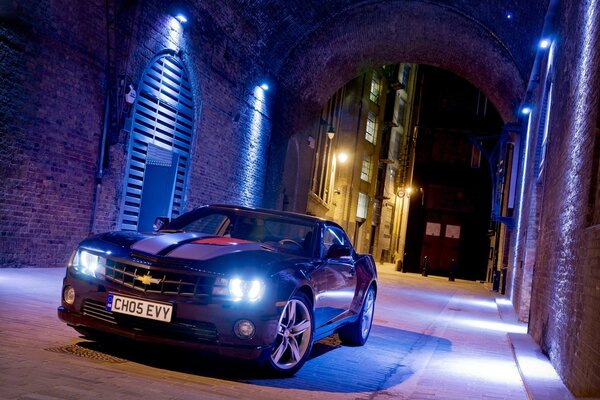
(431, 339)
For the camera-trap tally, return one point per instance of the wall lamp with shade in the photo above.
(330, 132)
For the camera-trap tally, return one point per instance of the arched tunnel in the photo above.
(83, 138)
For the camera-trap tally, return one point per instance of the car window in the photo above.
(289, 236)
(212, 224)
(331, 236)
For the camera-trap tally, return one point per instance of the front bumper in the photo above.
(204, 325)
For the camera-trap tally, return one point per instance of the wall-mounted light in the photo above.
(509, 15)
(545, 43)
(404, 192)
(525, 109)
(342, 157)
(181, 18)
(264, 86)
(330, 132)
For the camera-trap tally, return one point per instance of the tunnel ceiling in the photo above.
(312, 47)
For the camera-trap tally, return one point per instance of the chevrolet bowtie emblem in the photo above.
(146, 279)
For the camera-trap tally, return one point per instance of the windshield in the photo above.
(278, 232)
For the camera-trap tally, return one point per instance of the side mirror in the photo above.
(159, 222)
(339, 251)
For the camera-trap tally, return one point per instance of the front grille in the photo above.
(98, 310)
(178, 329)
(150, 279)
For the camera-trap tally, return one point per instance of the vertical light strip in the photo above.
(252, 166)
(521, 200)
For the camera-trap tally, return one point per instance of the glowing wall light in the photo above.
(252, 174)
(545, 43)
(181, 18)
(521, 201)
(342, 157)
(174, 33)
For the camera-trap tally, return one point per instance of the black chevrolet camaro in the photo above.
(247, 283)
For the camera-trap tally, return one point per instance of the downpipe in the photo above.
(100, 168)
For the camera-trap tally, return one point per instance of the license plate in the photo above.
(139, 308)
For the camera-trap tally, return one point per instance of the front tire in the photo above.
(357, 333)
(293, 342)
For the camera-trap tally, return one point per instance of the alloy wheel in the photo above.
(294, 333)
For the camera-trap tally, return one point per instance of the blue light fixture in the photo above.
(526, 110)
(181, 18)
(264, 86)
(545, 43)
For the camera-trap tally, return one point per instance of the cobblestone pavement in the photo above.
(431, 339)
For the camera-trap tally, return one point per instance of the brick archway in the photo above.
(375, 34)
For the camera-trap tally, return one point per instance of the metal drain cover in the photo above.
(85, 352)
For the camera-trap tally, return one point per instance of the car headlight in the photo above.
(89, 264)
(240, 289)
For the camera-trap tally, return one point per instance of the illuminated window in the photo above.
(363, 204)
(405, 74)
(371, 130)
(365, 171)
(376, 86)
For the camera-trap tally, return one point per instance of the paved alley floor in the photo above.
(431, 339)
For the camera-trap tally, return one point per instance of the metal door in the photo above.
(162, 118)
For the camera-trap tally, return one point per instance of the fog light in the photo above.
(244, 329)
(69, 295)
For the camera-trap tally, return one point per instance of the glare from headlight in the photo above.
(89, 264)
(255, 291)
(240, 289)
(236, 288)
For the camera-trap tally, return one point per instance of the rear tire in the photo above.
(357, 332)
(293, 342)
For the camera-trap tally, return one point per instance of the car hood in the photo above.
(196, 251)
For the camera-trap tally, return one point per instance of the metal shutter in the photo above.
(162, 116)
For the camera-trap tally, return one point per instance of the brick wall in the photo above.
(566, 280)
(54, 62)
(52, 65)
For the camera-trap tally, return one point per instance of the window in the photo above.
(376, 85)
(333, 235)
(371, 130)
(367, 165)
(363, 204)
(405, 74)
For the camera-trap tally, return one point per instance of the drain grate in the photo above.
(85, 352)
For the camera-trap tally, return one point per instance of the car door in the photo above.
(340, 273)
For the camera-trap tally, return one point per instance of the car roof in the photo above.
(285, 214)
